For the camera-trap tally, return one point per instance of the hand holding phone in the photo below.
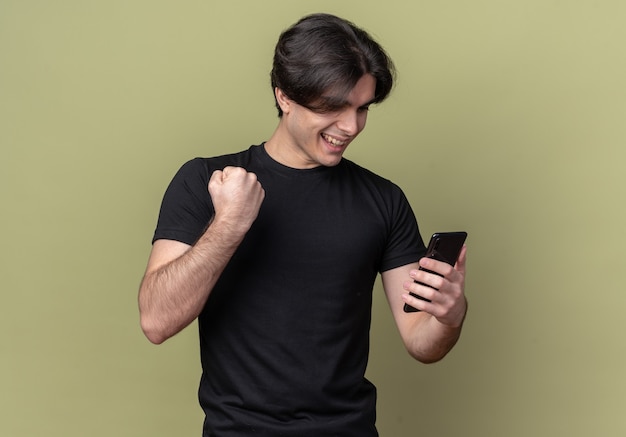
(443, 246)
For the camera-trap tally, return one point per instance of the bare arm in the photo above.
(179, 278)
(430, 334)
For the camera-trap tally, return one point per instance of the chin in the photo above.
(332, 162)
(331, 159)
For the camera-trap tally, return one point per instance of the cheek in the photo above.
(321, 123)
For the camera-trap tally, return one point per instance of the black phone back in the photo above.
(443, 246)
(446, 246)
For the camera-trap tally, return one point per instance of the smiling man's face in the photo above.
(308, 139)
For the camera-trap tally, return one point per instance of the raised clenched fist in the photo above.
(237, 197)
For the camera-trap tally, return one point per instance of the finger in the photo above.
(235, 171)
(414, 302)
(421, 289)
(216, 177)
(229, 172)
(419, 304)
(426, 278)
(439, 267)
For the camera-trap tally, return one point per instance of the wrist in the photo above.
(226, 230)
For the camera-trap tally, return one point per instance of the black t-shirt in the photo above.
(284, 336)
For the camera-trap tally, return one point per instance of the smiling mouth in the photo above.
(334, 141)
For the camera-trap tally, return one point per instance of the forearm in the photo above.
(431, 340)
(172, 295)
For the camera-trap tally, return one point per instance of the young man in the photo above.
(276, 249)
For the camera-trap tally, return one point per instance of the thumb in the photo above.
(216, 178)
(460, 263)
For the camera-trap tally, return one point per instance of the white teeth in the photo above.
(333, 141)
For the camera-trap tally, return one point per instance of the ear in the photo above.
(283, 101)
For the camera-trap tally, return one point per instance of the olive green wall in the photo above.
(508, 120)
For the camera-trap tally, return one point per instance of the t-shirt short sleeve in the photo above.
(405, 244)
(186, 209)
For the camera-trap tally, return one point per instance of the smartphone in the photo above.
(443, 246)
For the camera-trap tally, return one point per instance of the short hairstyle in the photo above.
(323, 53)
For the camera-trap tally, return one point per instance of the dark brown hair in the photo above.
(323, 53)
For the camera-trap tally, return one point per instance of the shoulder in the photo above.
(210, 164)
(353, 167)
(201, 168)
(370, 180)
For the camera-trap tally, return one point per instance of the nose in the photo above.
(350, 122)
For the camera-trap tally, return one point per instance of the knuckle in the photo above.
(438, 282)
(447, 269)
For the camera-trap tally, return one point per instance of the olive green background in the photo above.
(508, 121)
